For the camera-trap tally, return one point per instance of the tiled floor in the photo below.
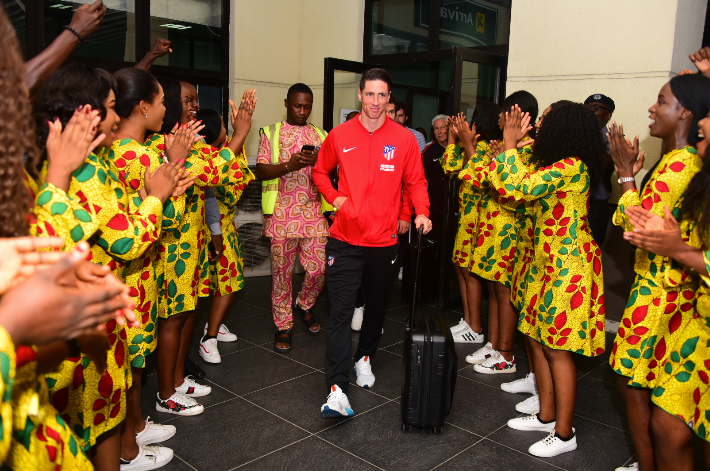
(264, 411)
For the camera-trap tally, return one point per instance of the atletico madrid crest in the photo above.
(389, 153)
(331, 260)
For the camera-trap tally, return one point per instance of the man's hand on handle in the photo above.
(423, 221)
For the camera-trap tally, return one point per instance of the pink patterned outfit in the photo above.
(296, 227)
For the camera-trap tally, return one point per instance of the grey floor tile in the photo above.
(257, 368)
(308, 348)
(599, 447)
(307, 455)
(586, 365)
(492, 456)
(604, 373)
(300, 399)
(602, 402)
(231, 434)
(481, 409)
(387, 369)
(256, 329)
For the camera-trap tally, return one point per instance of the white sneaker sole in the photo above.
(471, 361)
(148, 466)
(515, 390)
(186, 413)
(327, 413)
(547, 453)
(214, 359)
(361, 384)
(160, 439)
(531, 428)
(487, 371)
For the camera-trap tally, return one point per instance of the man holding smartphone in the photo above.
(293, 216)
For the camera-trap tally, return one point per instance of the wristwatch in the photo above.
(625, 179)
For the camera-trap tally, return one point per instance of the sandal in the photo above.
(308, 318)
(283, 336)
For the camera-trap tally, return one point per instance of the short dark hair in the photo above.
(133, 86)
(485, 117)
(527, 103)
(376, 74)
(400, 105)
(213, 123)
(299, 88)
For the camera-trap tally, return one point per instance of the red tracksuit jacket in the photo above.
(372, 168)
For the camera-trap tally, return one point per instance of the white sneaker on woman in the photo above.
(191, 388)
(530, 405)
(480, 355)
(224, 335)
(467, 335)
(531, 423)
(631, 467)
(526, 385)
(149, 457)
(552, 445)
(155, 433)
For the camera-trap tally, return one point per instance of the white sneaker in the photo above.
(467, 335)
(530, 405)
(224, 335)
(631, 467)
(178, 404)
(480, 355)
(399, 277)
(496, 364)
(149, 457)
(337, 405)
(363, 372)
(552, 446)
(155, 433)
(525, 385)
(209, 352)
(192, 389)
(455, 329)
(356, 323)
(531, 423)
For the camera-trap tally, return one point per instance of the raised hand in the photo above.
(193, 130)
(161, 47)
(517, 125)
(665, 241)
(20, 258)
(453, 132)
(496, 149)
(87, 18)
(185, 181)
(624, 153)
(701, 59)
(60, 313)
(162, 182)
(641, 218)
(179, 143)
(68, 149)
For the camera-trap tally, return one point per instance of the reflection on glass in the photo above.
(471, 23)
(194, 29)
(424, 108)
(478, 83)
(210, 97)
(114, 40)
(16, 11)
(397, 26)
(345, 95)
(433, 75)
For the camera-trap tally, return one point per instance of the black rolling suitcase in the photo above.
(430, 366)
(428, 273)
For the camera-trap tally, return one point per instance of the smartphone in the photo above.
(308, 147)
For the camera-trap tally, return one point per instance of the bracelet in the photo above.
(287, 170)
(81, 39)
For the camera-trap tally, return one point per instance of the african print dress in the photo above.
(7, 379)
(226, 274)
(470, 199)
(564, 305)
(124, 234)
(186, 274)
(655, 311)
(41, 439)
(681, 388)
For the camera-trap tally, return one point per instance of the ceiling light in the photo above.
(174, 26)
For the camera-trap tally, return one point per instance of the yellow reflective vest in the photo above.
(270, 188)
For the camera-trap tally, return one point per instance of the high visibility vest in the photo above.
(270, 188)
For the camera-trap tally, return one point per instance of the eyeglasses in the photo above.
(596, 107)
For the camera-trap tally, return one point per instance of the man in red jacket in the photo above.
(376, 158)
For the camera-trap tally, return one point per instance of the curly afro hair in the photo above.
(570, 130)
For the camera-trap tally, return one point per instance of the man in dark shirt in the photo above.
(435, 176)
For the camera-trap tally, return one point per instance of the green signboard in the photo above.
(464, 18)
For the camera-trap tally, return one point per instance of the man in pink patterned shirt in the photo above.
(293, 216)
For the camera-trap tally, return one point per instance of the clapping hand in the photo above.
(624, 153)
(651, 232)
(517, 126)
(20, 258)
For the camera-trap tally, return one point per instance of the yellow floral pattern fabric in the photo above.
(655, 312)
(186, 275)
(564, 306)
(682, 385)
(226, 274)
(7, 379)
(41, 439)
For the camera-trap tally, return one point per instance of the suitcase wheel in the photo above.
(406, 427)
(436, 430)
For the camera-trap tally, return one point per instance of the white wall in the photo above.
(562, 49)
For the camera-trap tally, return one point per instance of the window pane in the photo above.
(424, 108)
(478, 83)
(15, 10)
(470, 24)
(210, 97)
(195, 30)
(115, 38)
(399, 26)
(345, 95)
(433, 75)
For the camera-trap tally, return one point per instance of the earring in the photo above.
(146, 115)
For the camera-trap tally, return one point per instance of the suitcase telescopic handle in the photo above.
(420, 233)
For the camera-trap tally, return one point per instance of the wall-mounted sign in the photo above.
(465, 18)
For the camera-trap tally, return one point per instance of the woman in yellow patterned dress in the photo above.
(681, 394)
(457, 155)
(564, 313)
(656, 311)
(494, 248)
(226, 268)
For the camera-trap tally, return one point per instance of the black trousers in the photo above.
(348, 268)
(598, 219)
